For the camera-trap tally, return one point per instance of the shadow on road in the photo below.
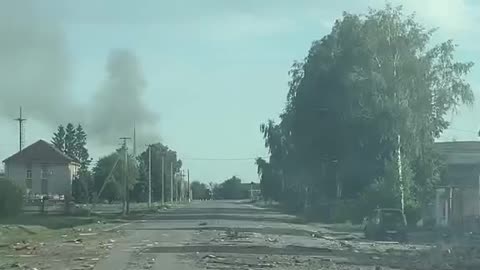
(219, 210)
(287, 250)
(264, 230)
(49, 221)
(217, 213)
(206, 217)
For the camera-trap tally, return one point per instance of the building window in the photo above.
(44, 173)
(28, 183)
(28, 179)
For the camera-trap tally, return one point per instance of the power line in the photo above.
(463, 130)
(224, 159)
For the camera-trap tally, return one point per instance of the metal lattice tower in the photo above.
(21, 129)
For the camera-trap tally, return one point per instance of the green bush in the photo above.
(11, 199)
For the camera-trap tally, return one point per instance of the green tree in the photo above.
(230, 189)
(73, 142)
(268, 182)
(199, 191)
(169, 156)
(83, 183)
(11, 198)
(80, 147)
(363, 110)
(114, 185)
(58, 139)
(70, 140)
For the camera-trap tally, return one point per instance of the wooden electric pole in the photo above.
(188, 185)
(163, 179)
(149, 176)
(125, 207)
(171, 182)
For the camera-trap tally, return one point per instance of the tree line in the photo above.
(363, 110)
(230, 189)
(106, 179)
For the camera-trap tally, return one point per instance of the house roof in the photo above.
(459, 152)
(41, 151)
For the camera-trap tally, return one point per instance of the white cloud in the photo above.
(451, 16)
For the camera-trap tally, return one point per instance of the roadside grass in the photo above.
(36, 227)
(40, 240)
(47, 221)
(43, 227)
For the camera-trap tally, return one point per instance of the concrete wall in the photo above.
(470, 202)
(59, 177)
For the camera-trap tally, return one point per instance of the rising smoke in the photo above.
(35, 73)
(118, 104)
(34, 68)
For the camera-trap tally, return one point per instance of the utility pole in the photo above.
(188, 185)
(181, 192)
(21, 131)
(134, 141)
(163, 179)
(149, 176)
(171, 182)
(125, 177)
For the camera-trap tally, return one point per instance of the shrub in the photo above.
(11, 198)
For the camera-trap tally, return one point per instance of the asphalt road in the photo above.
(236, 235)
(164, 240)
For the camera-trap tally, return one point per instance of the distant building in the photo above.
(42, 169)
(252, 190)
(457, 200)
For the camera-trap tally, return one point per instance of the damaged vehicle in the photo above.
(386, 224)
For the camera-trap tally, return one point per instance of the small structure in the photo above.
(252, 189)
(457, 200)
(42, 169)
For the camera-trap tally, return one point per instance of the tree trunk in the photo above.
(400, 174)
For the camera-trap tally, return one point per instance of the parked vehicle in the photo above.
(386, 224)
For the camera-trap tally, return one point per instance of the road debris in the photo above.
(209, 256)
(87, 234)
(271, 240)
(22, 246)
(231, 233)
(75, 241)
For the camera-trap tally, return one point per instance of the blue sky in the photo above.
(216, 69)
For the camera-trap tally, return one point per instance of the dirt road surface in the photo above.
(217, 235)
(236, 235)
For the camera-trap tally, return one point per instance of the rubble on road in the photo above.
(68, 248)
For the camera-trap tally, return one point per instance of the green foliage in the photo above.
(73, 142)
(11, 198)
(80, 147)
(199, 191)
(70, 140)
(58, 139)
(158, 151)
(373, 86)
(114, 187)
(231, 189)
(83, 186)
(269, 186)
